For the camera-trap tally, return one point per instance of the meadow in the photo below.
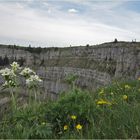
(111, 112)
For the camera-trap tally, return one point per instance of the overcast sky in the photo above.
(57, 23)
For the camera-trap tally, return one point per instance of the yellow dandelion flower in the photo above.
(125, 97)
(79, 127)
(101, 102)
(139, 78)
(73, 117)
(127, 87)
(65, 127)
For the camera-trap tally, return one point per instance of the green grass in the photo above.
(112, 112)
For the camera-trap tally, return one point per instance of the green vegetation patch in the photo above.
(111, 112)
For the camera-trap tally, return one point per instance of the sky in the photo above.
(61, 23)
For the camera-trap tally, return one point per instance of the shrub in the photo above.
(72, 112)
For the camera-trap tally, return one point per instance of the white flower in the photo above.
(36, 78)
(26, 72)
(29, 81)
(5, 84)
(15, 66)
(33, 79)
(7, 72)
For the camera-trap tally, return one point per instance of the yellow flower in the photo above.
(79, 127)
(127, 87)
(65, 127)
(73, 117)
(125, 97)
(139, 78)
(101, 102)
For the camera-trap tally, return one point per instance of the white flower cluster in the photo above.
(10, 72)
(15, 66)
(7, 72)
(26, 72)
(10, 75)
(32, 79)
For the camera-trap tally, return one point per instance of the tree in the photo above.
(115, 41)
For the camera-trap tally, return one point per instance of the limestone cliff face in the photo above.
(94, 65)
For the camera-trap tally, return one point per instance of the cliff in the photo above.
(95, 66)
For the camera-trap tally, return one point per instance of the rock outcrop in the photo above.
(95, 66)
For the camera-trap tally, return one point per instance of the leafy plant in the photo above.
(71, 110)
(71, 79)
(26, 123)
(11, 80)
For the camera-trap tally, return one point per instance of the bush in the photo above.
(69, 112)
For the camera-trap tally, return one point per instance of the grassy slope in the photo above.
(110, 112)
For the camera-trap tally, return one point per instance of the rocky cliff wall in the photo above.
(94, 65)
